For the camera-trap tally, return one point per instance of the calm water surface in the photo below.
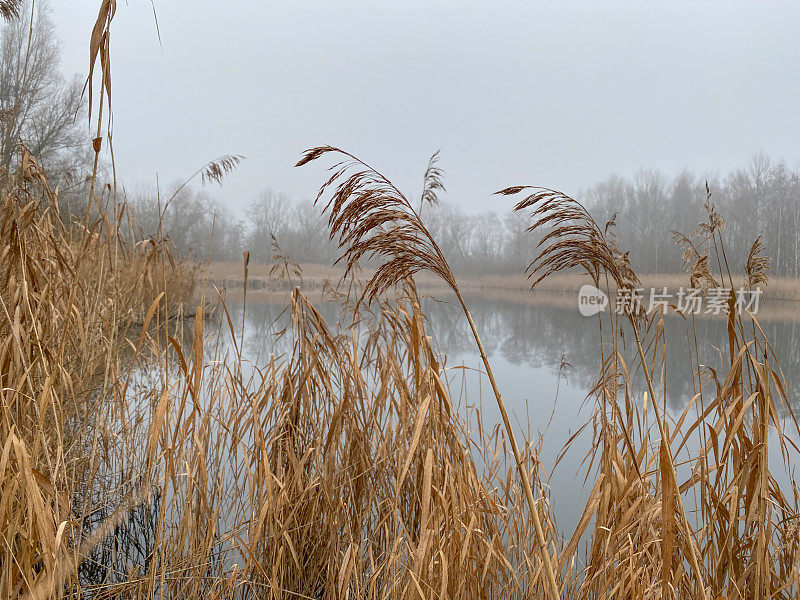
(546, 359)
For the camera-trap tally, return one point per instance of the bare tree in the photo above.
(267, 215)
(488, 235)
(37, 104)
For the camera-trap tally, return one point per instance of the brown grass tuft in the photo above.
(9, 9)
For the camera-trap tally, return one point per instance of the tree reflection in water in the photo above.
(541, 335)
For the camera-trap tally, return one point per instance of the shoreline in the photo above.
(780, 301)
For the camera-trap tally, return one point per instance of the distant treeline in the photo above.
(760, 199)
(38, 106)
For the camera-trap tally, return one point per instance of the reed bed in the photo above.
(780, 296)
(143, 458)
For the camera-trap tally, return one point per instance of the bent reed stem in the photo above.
(523, 473)
(665, 441)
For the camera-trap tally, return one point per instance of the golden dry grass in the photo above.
(230, 274)
(780, 299)
(139, 462)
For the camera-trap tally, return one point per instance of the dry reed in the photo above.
(138, 460)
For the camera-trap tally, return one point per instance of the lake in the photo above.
(546, 358)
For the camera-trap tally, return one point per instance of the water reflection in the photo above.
(534, 335)
(529, 344)
(538, 335)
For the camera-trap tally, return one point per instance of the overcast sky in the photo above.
(559, 94)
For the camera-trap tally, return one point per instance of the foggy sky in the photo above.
(559, 94)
